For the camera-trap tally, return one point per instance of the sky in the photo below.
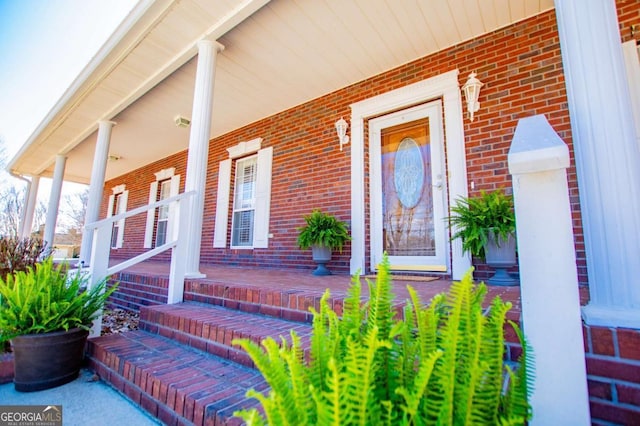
(44, 45)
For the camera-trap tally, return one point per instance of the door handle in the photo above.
(438, 183)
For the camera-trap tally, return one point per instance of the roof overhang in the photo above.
(277, 55)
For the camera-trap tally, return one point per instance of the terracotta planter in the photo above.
(44, 361)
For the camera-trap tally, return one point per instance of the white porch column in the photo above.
(29, 208)
(95, 186)
(538, 160)
(199, 149)
(54, 200)
(607, 158)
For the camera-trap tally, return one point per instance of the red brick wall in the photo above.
(628, 16)
(521, 68)
(613, 374)
(137, 183)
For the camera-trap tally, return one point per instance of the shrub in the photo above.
(18, 254)
(440, 365)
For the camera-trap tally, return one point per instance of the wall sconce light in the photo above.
(472, 92)
(181, 121)
(341, 128)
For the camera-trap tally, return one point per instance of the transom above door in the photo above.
(408, 189)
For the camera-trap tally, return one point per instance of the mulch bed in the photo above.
(118, 321)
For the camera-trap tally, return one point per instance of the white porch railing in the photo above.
(99, 267)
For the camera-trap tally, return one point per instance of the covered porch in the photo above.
(360, 63)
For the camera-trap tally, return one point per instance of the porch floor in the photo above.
(303, 281)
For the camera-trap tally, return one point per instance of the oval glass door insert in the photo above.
(408, 176)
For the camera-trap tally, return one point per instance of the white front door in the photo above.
(408, 189)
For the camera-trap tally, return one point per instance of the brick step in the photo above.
(212, 328)
(133, 302)
(289, 304)
(174, 383)
(142, 289)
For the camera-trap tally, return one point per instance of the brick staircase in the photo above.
(181, 366)
(137, 290)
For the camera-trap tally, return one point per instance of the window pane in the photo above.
(161, 233)
(165, 192)
(245, 184)
(114, 235)
(244, 202)
(242, 234)
(116, 204)
(115, 211)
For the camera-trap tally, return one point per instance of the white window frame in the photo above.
(262, 194)
(162, 185)
(118, 192)
(251, 203)
(162, 175)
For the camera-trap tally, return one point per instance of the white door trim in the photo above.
(443, 86)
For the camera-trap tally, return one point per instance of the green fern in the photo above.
(44, 299)
(439, 365)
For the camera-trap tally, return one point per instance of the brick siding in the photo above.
(613, 374)
(521, 68)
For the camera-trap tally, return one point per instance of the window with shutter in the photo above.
(160, 221)
(248, 194)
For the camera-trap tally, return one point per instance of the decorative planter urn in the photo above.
(501, 255)
(44, 361)
(321, 255)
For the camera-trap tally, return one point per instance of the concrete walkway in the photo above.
(84, 401)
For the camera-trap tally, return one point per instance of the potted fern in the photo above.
(486, 224)
(323, 233)
(46, 315)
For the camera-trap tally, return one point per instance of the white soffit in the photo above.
(278, 54)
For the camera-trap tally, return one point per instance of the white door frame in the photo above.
(443, 86)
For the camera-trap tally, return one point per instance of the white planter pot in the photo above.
(321, 255)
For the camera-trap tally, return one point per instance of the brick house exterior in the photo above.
(522, 71)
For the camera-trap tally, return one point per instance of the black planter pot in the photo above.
(44, 361)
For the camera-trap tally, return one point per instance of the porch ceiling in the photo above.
(278, 54)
